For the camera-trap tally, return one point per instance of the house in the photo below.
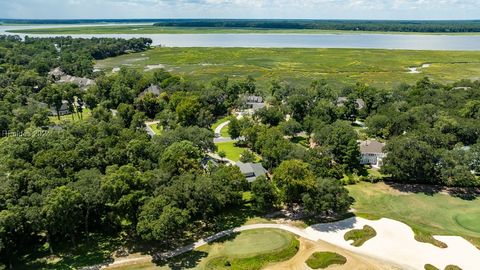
(342, 100)
(251, 170)
(154, 89)
(64, 110)
(81, 82)
(56, 73)
(254, 103)
(372, 153)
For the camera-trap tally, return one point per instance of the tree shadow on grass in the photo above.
(88, 254)
(184, 261)
(464, 193)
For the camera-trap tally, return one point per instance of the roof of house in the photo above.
(371, 146)
(341, 102)
(57, 72)
(154, 89)
(251, 170)
(254, 99)
(82, 82)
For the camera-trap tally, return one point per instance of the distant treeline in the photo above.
(350, 25)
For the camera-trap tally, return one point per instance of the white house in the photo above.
(372, 153)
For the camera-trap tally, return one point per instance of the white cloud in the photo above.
(321, 9)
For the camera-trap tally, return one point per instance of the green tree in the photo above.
(234, 128)
(181, 157)
(410, 160)
(188, 111)
(327, 197)
(293, 178)
(62, 212)
(264, 194)
(161, 221)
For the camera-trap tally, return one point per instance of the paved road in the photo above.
(218, 130)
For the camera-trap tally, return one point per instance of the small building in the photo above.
(81, 82)
(64, 110)
(342, 100)
(254, 103)
(372, 153)
(56, 73)
(251, 170)
(154, 89)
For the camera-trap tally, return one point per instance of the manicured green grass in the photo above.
(426, 237)
(71, 117)
(233, 152)
(430, 267)
(321, 260)
(381, 68)
(428, 214)
(250, 250)
(156, 129)
(150, 29)
(359, 237)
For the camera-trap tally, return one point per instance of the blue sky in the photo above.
(315, 9)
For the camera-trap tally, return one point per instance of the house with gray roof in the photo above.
(251, 170)
(64, 109)
(254, 103)
(359, 102)
(372, 153)
(154, 89)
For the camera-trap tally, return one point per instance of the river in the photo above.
(364, 41)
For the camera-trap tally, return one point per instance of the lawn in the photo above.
(381, 68)
(321, 260)
(156, 129)
(437, 213)
(250, 250)
(150, 29)
(233, 152)
(71, 117)
(359, 237)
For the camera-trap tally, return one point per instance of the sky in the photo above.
(278, 9)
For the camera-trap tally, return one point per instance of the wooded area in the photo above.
(63, 182)
(349, 25)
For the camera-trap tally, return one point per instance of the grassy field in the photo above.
(71, 117)
(301, 66)
(321, 260)
(438, 214)
(150, 29)
(233, 152)
(359, 237)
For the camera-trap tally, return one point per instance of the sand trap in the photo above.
(426, 65)
(152, 67)
(395, 243)
(308, 247)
